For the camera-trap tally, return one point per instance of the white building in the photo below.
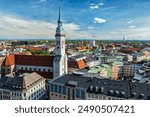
(92, 43)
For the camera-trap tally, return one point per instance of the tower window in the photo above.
(57, 47)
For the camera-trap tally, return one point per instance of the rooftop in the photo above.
(20, 82)
(35, 60)
(92, 84)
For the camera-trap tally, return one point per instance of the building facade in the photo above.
(130, 68)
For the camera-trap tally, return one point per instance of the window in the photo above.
(82, 94)
(52, 87)
(60, 89)
(78, 93)
(100, 97)
(56, 88)
(89, 95)
(96, 96)
(64, 91)
(104, 97)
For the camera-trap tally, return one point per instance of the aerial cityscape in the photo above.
(65, 50)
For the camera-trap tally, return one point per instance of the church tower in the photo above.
(60, 66)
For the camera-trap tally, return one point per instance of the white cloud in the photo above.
(132, 26)
(14, 27)
(72, 26)
(130, 22)
(91, 27)
(98, 28)
(95, 6)
(40, 1)
(100, 4)
(99, 20)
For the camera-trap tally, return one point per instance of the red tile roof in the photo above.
(34, 60)
(133, 49)
(9, 60)
(33, 48)
(81, 64)
(77, 64)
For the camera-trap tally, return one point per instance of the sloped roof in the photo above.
(21, 82)
(30, 79)
(81, 64)
(35, 60)
(9, 60)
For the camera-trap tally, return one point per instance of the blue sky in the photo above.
(82, 19)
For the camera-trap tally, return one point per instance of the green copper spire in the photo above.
(59, 29)
(59, 12)
(59, 19)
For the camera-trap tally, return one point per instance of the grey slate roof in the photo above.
(123, 89)
(140, 91)
(86, 83)
(20, 82)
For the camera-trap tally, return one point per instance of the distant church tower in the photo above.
(60, 66)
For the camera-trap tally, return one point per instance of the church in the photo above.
(49, 67)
